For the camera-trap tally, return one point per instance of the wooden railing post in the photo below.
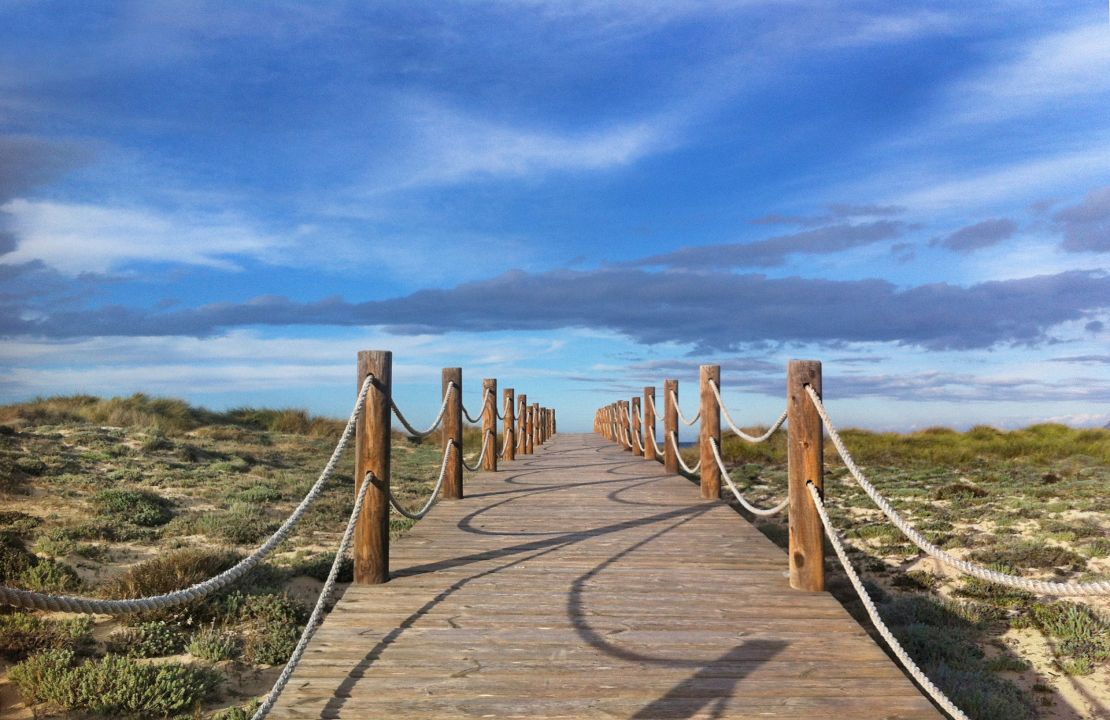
(529, 439)
(489, 422)
(649, 422)
(522, 422)
(453, 434)
(372, 455)
(637, 436)
(510, 424)
(710, 432)
(670, 425)
(534, 421)
(626, 426)
(805, 463)
(541, 423)
(554, 422)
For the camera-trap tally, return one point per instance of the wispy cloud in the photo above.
(77, 238)
(1048, 70)
(978, 235)
(774, 251)
(1086, 225)
(450, 145)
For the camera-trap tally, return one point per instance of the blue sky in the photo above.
(225, 202)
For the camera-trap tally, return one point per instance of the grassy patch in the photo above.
(1082, 636)
(22, 634)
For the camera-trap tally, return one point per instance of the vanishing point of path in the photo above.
(583, 582)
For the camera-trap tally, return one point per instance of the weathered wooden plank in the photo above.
(580, 583)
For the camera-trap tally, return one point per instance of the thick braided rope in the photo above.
(673, 437)
(417, 514)
(763, 512)
(413, 432)
(896, 647)
(651, 401)
(504, 444)
(485, 399)
(501, 415)
(654, 445)
(678, 409)
(317, 615)
(732, 423)
(76, 604)
(481, 456)
(969, 568)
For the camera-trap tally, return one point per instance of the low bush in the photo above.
(50, 576)
(1030, 554)
(1082, 635)
(147, 640)
(169, 572)
(22, 634)
(241, 524)
(139, 507)
(113, 686)
(215, 644)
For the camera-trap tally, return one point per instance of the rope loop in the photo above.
(969, 568)
(732, 423)
(762, 512)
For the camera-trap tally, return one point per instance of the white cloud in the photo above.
(1051, 69)
(449, 145)
(75, 238)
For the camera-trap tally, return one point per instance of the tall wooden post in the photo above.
(710, 432)
(522, 422)
(649, 422)
(529, 446)
(453, 434)
(489, 423)
(510, 424)
(534, 424)
(805, 463)
(637, 435)
(626, 426)
(372, 455)
(554, 422)
(541, 423)
(670, 425)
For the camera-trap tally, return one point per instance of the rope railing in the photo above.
(907, 662)
(418, 514)
(413, 432)
(762, 512)
(673, 437)
(654, 445)
(482, 456)
(80, 604)
(969, 568)
(678, 409)
(732, 423)
(317, 616)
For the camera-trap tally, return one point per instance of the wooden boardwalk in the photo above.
(583, 582)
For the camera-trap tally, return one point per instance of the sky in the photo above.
(225, 202)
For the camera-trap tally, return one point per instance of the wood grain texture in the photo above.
(709, 431)
(582, 582)
(670, 425)
(510, 423)
(649, 423)
(489, 423)
(453, 433)
(373, 449)
(805, 463)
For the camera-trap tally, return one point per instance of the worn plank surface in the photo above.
(584, 582)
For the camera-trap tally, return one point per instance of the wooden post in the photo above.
(541, 424)
(554, 422)
(649, 422)
(626, 426)
(510, 424)
(453, 433)
(529, 447)
(522, 423)
(372, 455)
(670, 425)
(534, 425)
(710, 432)
(805, 463)
(489, 423)
(637, 436)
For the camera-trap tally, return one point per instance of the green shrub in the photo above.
(139, 507)
(215, 644)
(1030, 554)
(242, 712)
(169, 572)
(1083, 635)
(271, 644)
(273, 625)
(240, 524)
(50, 576)
(15, 559)
(147, 640)
(114, 686)
(23, 633)
(18, 523)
